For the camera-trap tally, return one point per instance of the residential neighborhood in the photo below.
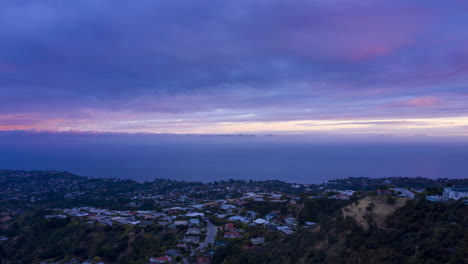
(200, 218)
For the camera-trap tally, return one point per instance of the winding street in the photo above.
(211, 232)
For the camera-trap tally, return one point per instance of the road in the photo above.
(211, 231)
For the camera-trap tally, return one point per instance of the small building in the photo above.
(281, 228)
(232, 235)
(163, 259)
(260, 221)
(191, 239)
(203, 260)
(238, 218)
(228, 207)
(182, 245)
(195, 215)
(257, 240)
(270, 216)
(403, 192)
(251, 214)
(229, 227)
(180, 223)
(287, 231)
(435, 198)
(195, 222)
(193, 231)
(220, 243)
(173, 252)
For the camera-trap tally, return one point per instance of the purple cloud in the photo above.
(76, 64)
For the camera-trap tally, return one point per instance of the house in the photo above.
(270, 216)
(163, 259)
(278, 201)
(228, 207)
(221, 201)
(195, 214)
(435, 198)
(403, 192)
(232, 235)
(183, 246)
(173, 252)
(191, 239)
(342, 196)
(238, 218)
(195, 222)
(197, 206)
(163, 223)
(148, 216)
(287, 231)
(281, 228)
(455, 193)
(251, 214)
(257, 240)
(193, 231)
(260, 221)
(180, 223)
(146, 223)
(220, 243)
(203, 260)
(290, 221)
(229, 227)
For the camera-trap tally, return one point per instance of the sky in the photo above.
(340, 67)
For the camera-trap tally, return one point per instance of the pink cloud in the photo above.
(369, 51)
(8, 68)
(426, 101)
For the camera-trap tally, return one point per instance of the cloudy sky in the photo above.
(218, 67)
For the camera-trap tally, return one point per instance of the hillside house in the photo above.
(455, 193)
(232, 235)
(163, 259)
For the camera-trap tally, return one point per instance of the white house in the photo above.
(455, 193)
(261, 221)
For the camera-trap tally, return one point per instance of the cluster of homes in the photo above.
(341, 195)
(450, 193)
(193, 216)
(186, 217)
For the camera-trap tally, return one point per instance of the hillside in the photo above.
(35, 239)
(372, 210)
(374, 230)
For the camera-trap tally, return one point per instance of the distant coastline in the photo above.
(353, 183)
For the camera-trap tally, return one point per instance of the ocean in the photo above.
(213, 159)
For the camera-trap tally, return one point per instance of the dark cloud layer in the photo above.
(116, 65)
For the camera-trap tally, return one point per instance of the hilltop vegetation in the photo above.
(373, 230)
(36, 239)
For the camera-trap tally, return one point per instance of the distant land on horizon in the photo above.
(351, 183)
